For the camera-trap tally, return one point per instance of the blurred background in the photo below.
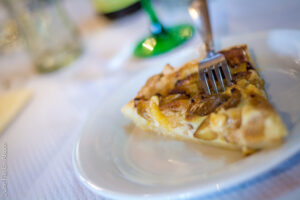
(26, 38)
(77, 20)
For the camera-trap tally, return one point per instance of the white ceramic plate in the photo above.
(117, 160)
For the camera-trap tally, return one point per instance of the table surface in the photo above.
(40, 140)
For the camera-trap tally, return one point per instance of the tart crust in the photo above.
(174, 104)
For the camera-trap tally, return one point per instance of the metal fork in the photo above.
(214, 66)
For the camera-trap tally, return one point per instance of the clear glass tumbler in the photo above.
(51, 38)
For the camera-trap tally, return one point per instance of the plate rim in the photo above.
(193, 191)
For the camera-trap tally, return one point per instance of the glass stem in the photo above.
(156, 27)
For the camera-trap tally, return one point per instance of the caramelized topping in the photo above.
(177, 91)
(236, 56)
(234, 99)
(204, 106)
(178, 105)
(241, 75)
(142, 109)
(259, 101)
(187, 80)
(186, 94)
(207, 105)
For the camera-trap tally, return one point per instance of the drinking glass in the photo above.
(162, 39)
(51, 38)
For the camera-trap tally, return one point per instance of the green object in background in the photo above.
(162, 39)
(116, 8)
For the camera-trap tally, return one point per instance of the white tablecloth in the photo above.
(40, 141)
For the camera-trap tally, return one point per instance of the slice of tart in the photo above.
(173, 103)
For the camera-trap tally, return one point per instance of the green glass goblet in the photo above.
(162, 39)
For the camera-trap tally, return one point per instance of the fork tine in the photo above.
(219, 76)
(226, 72)
(203, 81)
(212, 79)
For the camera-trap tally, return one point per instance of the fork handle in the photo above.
(201, 19)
